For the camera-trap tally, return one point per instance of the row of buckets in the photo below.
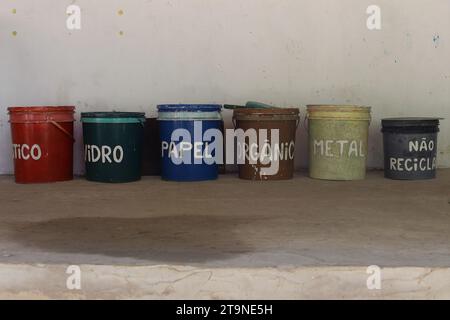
(123, 146)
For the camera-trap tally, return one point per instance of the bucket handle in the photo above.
(63, 130)
(305, 124)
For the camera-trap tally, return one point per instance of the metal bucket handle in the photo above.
(57, 125)
(305, 123)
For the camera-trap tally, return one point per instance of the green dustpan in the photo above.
(249, 105)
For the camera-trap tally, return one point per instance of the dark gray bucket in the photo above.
(410, 148)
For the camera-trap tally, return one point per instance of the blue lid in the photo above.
(189, 107)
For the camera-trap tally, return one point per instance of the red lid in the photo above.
(42, 109)
(41, 114)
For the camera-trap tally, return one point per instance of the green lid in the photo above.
(112, 114)
(249, 105)
(259, 105)
(112, 117)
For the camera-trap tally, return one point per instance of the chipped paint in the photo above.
(436, 40)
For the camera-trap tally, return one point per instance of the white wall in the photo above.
(285, 52)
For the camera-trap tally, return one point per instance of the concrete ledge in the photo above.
(169, 282)
(226, 239)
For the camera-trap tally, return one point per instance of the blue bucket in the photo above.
(187, 153)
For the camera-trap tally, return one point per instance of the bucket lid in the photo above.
(410, 122)
(41, 114)
(189, 107)
(342, 112)
(337, 108)
(266, 113)
(42, 109)
(113, 114)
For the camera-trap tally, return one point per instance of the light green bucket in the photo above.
(338, 139)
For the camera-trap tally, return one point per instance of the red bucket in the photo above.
(42, 140)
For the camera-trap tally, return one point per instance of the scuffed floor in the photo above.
(229, 224)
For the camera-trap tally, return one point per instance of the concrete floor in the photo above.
(229, 224)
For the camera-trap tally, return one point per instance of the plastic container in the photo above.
(113, 145)
(410, 148)
(192, 156)
(42, 139)
(267, 161)
(338, 141)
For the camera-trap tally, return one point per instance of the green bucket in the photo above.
(338, 140)
(113, 145)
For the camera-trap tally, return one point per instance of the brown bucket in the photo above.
(266, 160)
